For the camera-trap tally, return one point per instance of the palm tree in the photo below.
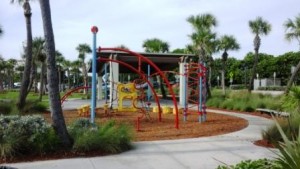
(66, 65)
(42, 58)
(1, 31)
(2, 67)
(122, 47)
(28, 51)
(292, 32)
(204, 40)
(155, 45)
(226, 43)
(83, 49)
(11, 63)
(75, 71)
(37, 47)
(59, 60)
(258, 27)
(58, 121)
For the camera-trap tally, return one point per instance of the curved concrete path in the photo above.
(198, 153)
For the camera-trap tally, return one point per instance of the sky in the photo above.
(131, 22)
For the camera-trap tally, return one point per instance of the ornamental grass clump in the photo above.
(289, 151)
(107, 138)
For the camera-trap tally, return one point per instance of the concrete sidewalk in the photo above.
(198, 153)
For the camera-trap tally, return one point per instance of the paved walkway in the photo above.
(196, 153)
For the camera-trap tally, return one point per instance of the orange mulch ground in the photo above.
(154, 130)
(216, 124)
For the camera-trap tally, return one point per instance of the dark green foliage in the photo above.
(253, 164)
(34, 107)
(248, 108)
(109, 137)
(273, 88)
(237, 86)
(5, 108)
(291, 102)
(81, 123)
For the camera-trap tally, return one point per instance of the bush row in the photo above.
(274, 88)
(243, 101)
(23, 135)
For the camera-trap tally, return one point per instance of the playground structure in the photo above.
(192, 86)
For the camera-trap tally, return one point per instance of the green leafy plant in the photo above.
(34, 106)
(291, 102)
(252, 164)
(289, 156)
(109, 137)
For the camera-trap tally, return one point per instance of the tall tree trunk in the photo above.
(58, 120)
(59, 78)
(207, 84)
(42, 86)
(256, 49)
(11, 80)
(1, 82)
(161, 86)
(223, 81)
(27, 66)
(32, 75)
(224, 59)
(251, 83)
(288, 86)
(85, 78)
(69, 80)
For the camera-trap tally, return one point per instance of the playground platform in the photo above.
(198, 153)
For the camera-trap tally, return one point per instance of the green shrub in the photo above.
(252, 164)
(237, 86)
(109, 137)
(23, 134)
(46, 142)
(274, 88)
(81, 123)
(215, 102)
(34, 106)
(243, 101)
(291, 102)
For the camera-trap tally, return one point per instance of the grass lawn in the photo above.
(8, 100)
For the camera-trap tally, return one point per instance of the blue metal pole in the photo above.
(105, 74)
(204, 94)
(94, 62)
(149, 90)
(200, 94)
(185, 92)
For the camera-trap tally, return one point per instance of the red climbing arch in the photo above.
(142, 59)
(66, 95)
